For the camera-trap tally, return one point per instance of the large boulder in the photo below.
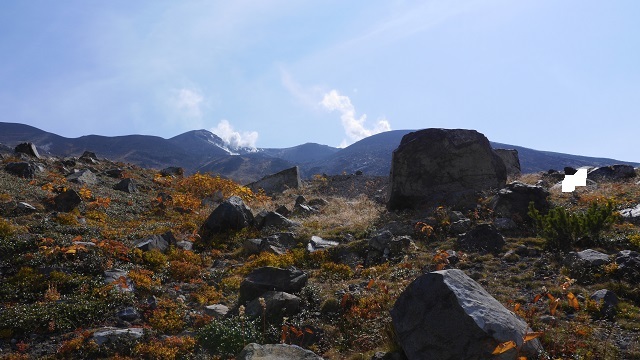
(511, 160)
(443, 167)
(27, 148)
(513, 201)
(279, 182)
(629, 265)
(269, 278)
(276, 352)
(22, 169)
(612, 173)
(83, 177)
(484, 237)
(231, 215)
(447, 315)
(127, 185)
(277, 305)
(67, 200)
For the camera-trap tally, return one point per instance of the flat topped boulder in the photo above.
(279, 182)
(232, 214)
(268, 278)
(443, 167)
(446, 315)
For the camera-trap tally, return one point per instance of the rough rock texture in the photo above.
(631, 215)
(279, 182)
(612, 173)
(629, 265)
(67, 200)
(27, 148)
(83, 177)
(274, 220)
(155, 242)
(513, 201)
(317, 243)
(111, 334)
(268, 278)
(126, 185)
(511, 160)
(443, 167)
(588, 257)
(608, 301)
(278, 304)
(232, 214)
(276, 352)
(446, 315)
(218, 311)
(484, 237)
(22, 169)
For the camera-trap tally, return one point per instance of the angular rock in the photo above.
(278, 304)
(484, 237)
(274, 220)
(629, 265)
(22, 169)
(511, 160)
(124, 284)
(513, 201)
(608, 301)
(111, 334)
(67, 200)
(317, 203)
(232, 214)
(612, 173)
(268, 278)
(128, 314)
(184, 245)
(172, 171)
(317, 243)
(113, 173)
(89, 157)
(631, 215)
(283, 210)
(505, 224)
(443, 167)
(568, 170)
(304, 210)
(218, 311)
(25, 208)
(300, 200)
(381, 241)
(460, 226)
(155, 242)
(83, 177)
(28, 148)
(447, 315)
(276, 352)
(279, 182)
(126, 185)
(589, 257)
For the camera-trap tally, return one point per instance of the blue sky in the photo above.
(551, 75)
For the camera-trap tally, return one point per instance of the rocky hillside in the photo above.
(103, 259)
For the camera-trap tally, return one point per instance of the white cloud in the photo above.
(189, 101)
(233, 137)
(354, 126)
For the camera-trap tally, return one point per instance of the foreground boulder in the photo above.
(67, 200)
(231, 215)
(443, 167)
(447, 315)
(279, 182)
(276, 352)
(27, 148)
(268, 278)
(22, 169)
(513, 201)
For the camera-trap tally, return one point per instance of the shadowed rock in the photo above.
(268, 278)
(279, 182)
(28, 148)
(276, 352)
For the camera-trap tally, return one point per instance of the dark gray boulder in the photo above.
(511, 160)
(483, 237)
(126, 185)
(279, 182)
(611, 173)
(27, 148)
(88, 157)
(268, 278)
(276, 352)
(608, 302)
(67, 200)
(274, 220)
(172, 171)
(128, 314)
(629, 265)
(585, 265)
(231, 215)
(513, 201)
(446, 315)
(22, 169)
(277, 305)
(443, 167)
(83, 177)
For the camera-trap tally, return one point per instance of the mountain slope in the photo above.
(301, 154)
(245, 169)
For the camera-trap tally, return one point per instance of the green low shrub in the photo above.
(227, 337)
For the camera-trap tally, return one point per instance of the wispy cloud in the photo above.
(354, 126)
(235, 138)
(189, 102)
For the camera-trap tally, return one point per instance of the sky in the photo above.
(550, 75)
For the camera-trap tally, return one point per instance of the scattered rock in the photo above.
(513, 201)
(511, 256)
(278, 304)
(589, 257)
(456, 216)
(398, 228)
(304, 210)
(111, 334)
(27, 148)
(127, 185)
(25, 208)
(113, 173)
(274, 220)
(568, 170)
(184, 245)
(505, 224)
(317, 203)
(276, 352)
(300, 200)
(283, 210)
(608, 301)
(67, 200)
(447, 315)
(484, 237)
(218, 311)
(612, 173)
(279, 182)
(317, 243)
(631, 215)
(443, 167)
(172, 171)
(128, 314)
(83, 177)
(511, 160)
(232, 214)
(88, 157)
(124, 284)
(270, 278)
(381, 241)
(22, 169)
(629, 265)
(460, 226)
(155, 242)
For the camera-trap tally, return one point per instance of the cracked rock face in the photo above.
(443, 166)
(447, 315)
